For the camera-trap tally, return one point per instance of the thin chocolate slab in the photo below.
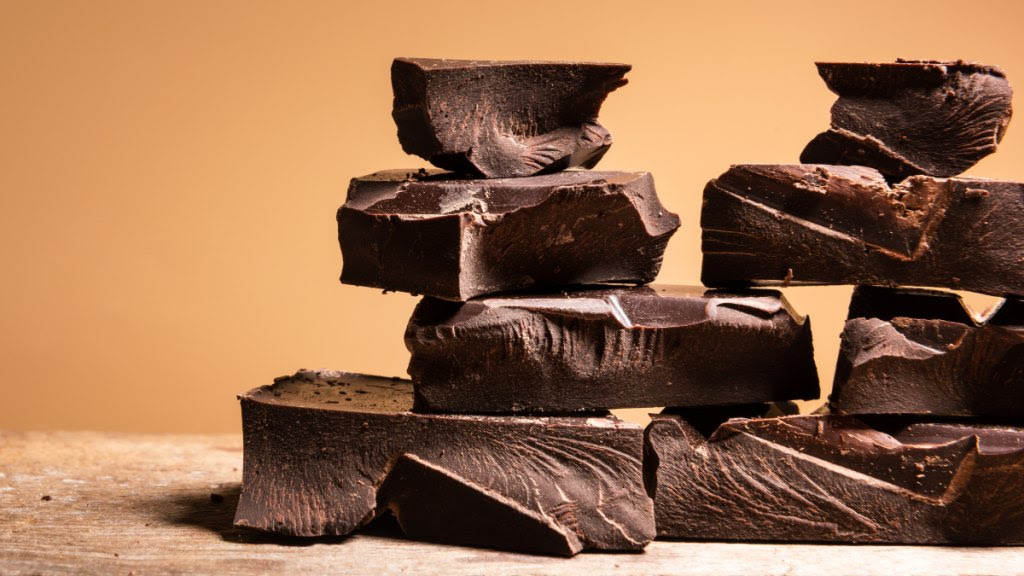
(434, 234)
(912, 117)
(503, 119)
(831, 478)
(921, 352)
(814, 224)
(327, 452)
(609, 348)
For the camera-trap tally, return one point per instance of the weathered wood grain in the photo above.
(133, 504)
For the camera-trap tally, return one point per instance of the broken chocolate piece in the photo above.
(912, 117)
(832, 478)
(503, 119)
(435, 504)
(437, 235)
(609, 348)
(319, 444)
(813, 224)
(921, 352)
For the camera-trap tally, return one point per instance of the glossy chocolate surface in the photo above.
(831, 478)
(609, 348)
(912, 117)
(438, 235)
(327, 452)
(922, 352)
(503, 119)
(814, 224)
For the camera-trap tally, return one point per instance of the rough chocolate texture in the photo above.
(912, 117)
(922, 352)
(326, 452)
(503, 119)
(609, 348)
(832, 478)
(438, 235)
(813, 224)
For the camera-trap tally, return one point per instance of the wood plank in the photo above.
(141, 504)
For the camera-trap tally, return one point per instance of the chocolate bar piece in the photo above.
(813, 224)
(832, 478)
(912, 117)
(438, 235)
(921, 352)
(609, 348)
(503, 119)
(327, 452)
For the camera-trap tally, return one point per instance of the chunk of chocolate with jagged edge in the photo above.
(833, 478)
(912, 117)
(327, 452)
(922, 352)
(503, 119)
(814, 224)
(609, 348)
(438, 235)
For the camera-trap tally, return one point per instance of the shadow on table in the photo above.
(215, 512)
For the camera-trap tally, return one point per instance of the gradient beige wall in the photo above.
(170, 170)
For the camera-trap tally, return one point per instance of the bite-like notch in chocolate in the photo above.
(503, 119)
(438, 235)
(609, 348)
(912, 117)
(814, 224)
(327, 452)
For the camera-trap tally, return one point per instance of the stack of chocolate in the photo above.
(921, 441)
(536, 320)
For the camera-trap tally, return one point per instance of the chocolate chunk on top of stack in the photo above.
(536, 320)
(922, 441)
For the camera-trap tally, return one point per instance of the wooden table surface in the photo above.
(100, 503)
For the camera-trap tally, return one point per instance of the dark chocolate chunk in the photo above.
(912, 117)
(316, 466)
(452, 238)
(614, 348)
(832, 478)
(503, 119)
(921, 352)
(813, 224)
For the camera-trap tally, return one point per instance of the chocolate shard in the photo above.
(432, 503)
(921, 352)
(437, 235)
(813, 224)
(609, 348)
(832, 478)
(912, 117)
(503, 119)
(319, 446)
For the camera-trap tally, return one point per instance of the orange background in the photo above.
(170, 170)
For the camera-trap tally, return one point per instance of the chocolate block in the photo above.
(812, 224)
(912, 117)
(503, 119)
(327, 452)
(610, 348)
(921, 352)
(437, 235)
(832, 478)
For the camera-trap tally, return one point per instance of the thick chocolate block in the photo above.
(813, 224)
(832, 478)
(921, 352)
(327, 452)
(609, 348)
(438, 235)
(503, 119)
(912, 117)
